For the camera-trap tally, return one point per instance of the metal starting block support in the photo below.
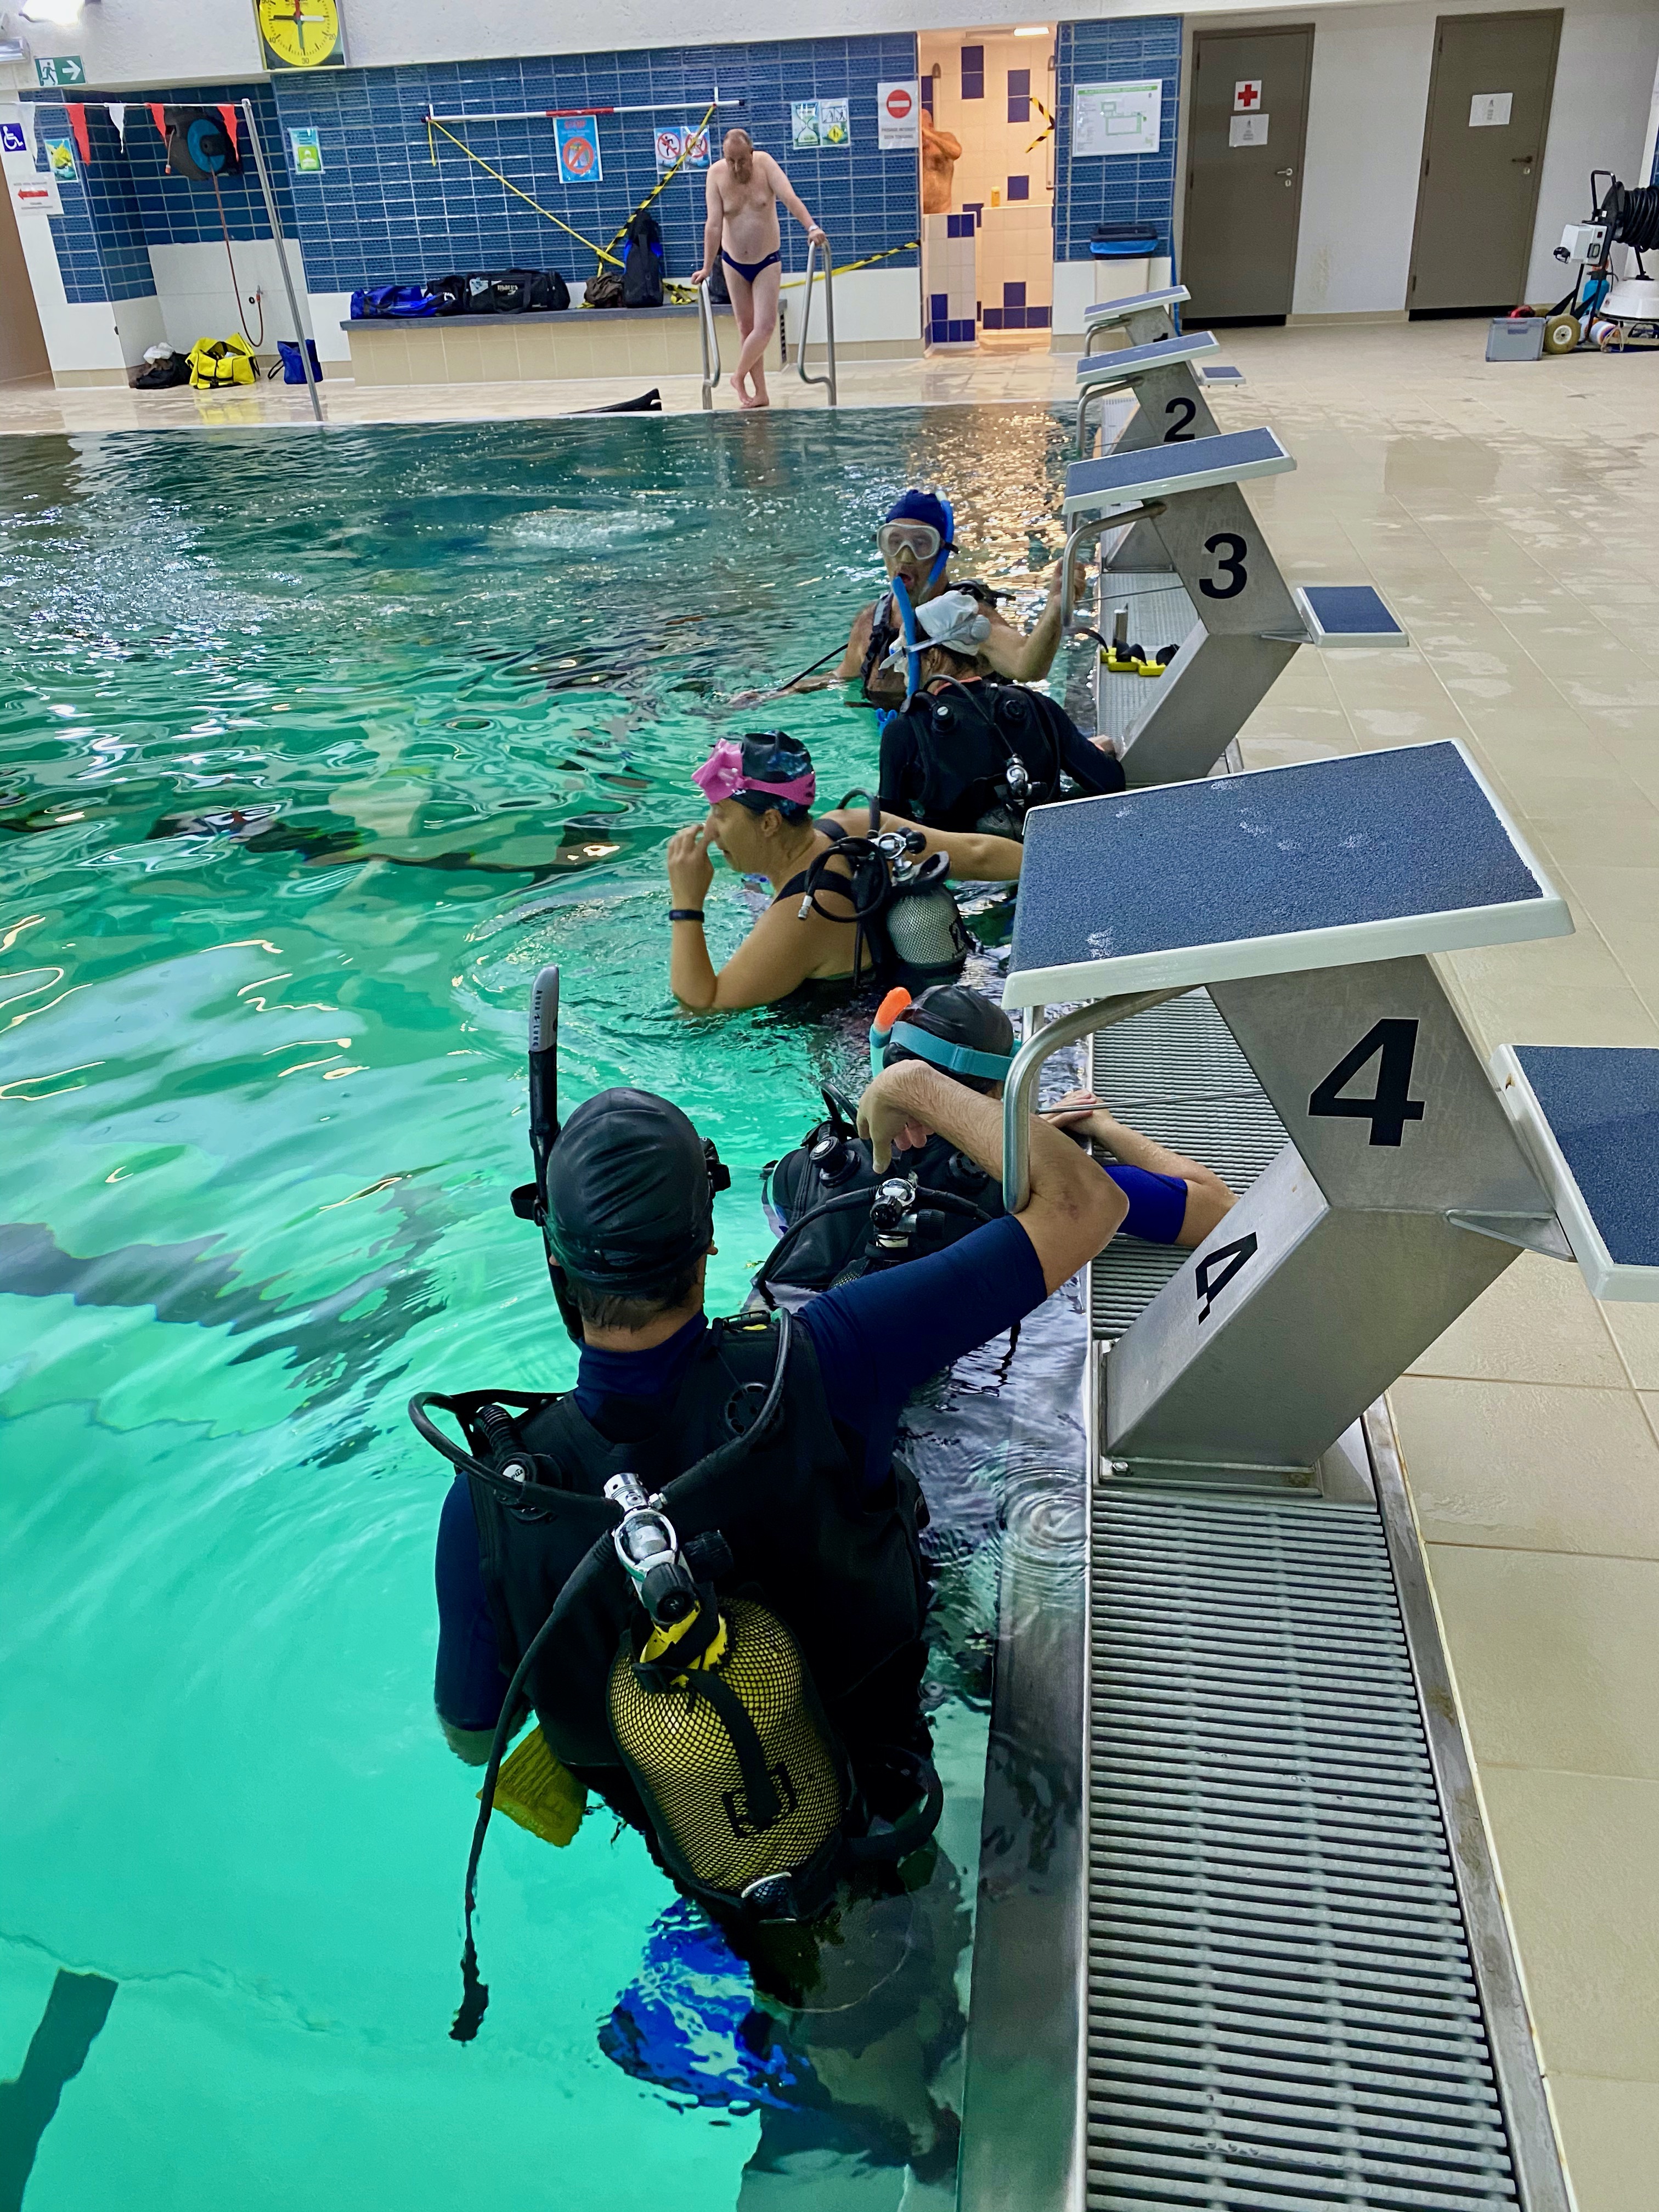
(1309, 900)
(1171, 409)
(1249, 626)
(1144, 317)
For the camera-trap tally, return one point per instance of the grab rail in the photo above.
(1019, 1097)
(711, 345)
(828, 319)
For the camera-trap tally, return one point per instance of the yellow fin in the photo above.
(534, 1789)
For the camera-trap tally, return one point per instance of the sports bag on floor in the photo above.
(216, 362)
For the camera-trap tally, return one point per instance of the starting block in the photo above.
(1309, 900)
(1248, 625)
(1143, 317)
(1346, 614)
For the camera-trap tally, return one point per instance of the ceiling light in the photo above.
(1030, 30)
(64, 13)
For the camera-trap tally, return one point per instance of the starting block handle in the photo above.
(1085, 533)
(1020, 1094)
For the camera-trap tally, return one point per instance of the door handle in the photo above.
(1521, 161)
(1286, 174)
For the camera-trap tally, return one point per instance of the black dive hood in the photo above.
(624, 1191)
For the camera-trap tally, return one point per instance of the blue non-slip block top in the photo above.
(1326, 845)
(1601, 1102)
(1351, 610)
(1113, 472)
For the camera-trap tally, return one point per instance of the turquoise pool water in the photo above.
(313, 750)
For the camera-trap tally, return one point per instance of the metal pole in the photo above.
(282, 256)
(829, 382)
(707, 331)
(1020, 1092)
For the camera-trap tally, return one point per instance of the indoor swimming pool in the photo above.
(313, 751)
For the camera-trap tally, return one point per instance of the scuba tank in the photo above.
(713, 1712)
(902, 908)
(837, 1218)
(988, 752)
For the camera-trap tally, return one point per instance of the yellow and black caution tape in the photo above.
(910, 245)
(604, 253)
(1047, 132)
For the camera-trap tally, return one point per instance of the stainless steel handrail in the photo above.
(1020, 1093)
(276, 239)
(829, 381)
(1084, 533)
(711, 345)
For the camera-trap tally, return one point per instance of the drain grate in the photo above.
(1174, 1073)
(1283, 2013)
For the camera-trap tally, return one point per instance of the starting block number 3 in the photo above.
(1229, 549)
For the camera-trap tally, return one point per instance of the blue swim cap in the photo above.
(925, 507)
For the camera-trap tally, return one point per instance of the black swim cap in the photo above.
(774, 756)
(630, 1194)
(960, 1017)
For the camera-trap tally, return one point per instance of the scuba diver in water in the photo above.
(916, 542)
(839, 1220)
(857, 896)
(700, 1568)
(968, 751)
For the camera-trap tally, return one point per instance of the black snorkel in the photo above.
(530, 1199)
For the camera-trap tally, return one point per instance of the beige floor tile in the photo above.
(1541, 1466)
(1536, 1323)
(1519, 1010)
(1575, 1856)
(1610, 2131)
(1635, 1332)
(1557, 1657)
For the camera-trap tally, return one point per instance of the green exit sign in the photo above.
(59, 69)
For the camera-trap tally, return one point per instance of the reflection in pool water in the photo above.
(312, 752)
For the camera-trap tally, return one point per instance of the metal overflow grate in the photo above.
(1174, 1073)
(1282, 2010)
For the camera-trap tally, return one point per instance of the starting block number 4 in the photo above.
(1393, 1044)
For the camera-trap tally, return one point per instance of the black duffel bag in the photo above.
(520, 291)
(451, 295)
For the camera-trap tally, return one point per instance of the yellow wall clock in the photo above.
(301, 35)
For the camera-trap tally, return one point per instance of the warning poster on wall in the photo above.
(577, 138)
(899, 117)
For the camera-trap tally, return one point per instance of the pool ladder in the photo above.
(709, 332)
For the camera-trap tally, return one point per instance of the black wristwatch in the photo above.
(685, 914)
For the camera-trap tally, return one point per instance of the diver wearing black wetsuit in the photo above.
(969, 751)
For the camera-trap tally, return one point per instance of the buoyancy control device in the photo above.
(838, 1218)
(718, 1622)
(908, 927)
(643, 263)
(888, 625)
(974, 755)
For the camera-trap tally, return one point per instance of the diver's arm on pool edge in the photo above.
(1073, 1210)
(973, 857)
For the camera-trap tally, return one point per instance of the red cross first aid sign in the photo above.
(1247, 96)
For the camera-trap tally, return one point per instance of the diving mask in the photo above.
(895, 539)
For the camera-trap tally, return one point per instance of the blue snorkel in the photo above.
(902, 597)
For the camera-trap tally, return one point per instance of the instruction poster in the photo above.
(307, 153)
(577, 138)
(675, 146)
(816, 123)
(1247, 130)
(60, 157)
(1117, 118)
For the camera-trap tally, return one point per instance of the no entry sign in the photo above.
(898, 108)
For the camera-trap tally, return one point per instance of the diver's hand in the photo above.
(1076, 1113)
(889, 1116)
(691, 870)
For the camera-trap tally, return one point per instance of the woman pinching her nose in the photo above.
(760, 794)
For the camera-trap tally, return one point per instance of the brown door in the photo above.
(1248, 119)
(22, 348)
(1483, 149)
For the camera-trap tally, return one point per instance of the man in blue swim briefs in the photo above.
(742, 231)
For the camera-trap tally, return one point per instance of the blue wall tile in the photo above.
(1117, 187)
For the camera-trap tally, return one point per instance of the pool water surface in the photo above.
(313, 750)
